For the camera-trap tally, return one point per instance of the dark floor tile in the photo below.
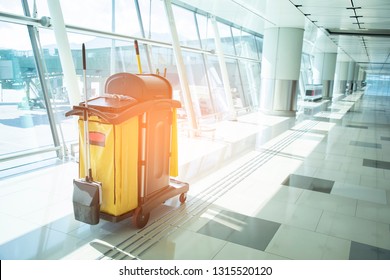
(361, 251)
(366, 144)
(357, 126)
(240, 229)
(385, 138)
(223, 225)
(376, 163)
(309, 183)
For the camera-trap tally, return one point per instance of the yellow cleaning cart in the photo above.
(133, 149)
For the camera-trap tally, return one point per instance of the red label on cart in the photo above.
(97, 138)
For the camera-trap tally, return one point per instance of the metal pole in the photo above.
(246, 103)
(41, 75)
(224, 72)
(112, 56)
(181, 68)
(141, 26)
(205, 65)
(70, 78)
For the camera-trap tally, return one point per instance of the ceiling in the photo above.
(357, 30)
(360, 28)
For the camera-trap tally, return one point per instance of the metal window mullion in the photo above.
(41, 76)
(142, 29)
(18, 19)
(112, 50)
(224, 71)
(181, 68)
(117, 36)
(204, 65)
(243, 96)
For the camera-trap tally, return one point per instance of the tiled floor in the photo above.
(314, 188)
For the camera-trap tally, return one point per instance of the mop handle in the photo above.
(137, 56)
(88, 171)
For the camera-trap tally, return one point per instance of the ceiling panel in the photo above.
(317, 3)
(360, 28)
(331, 11)
(375, 13)
(332, 21)
(377, 4)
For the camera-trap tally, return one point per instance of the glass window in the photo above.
(88, 13)
(12, 7)
(206, 32)
(307, 69)
(154, 20)
(99, 14)
(245, 44)
(226, 38)
(24, 123)
(198, 84)
(235, 83)
(126, 19)
(164, 61)
(186, 27)
(105, 57)
(250, 76)
(216, 85)
(259, 46)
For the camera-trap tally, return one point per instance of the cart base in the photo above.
(140, 215)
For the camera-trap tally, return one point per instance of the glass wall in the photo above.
(108, 29)
(378, 85)
(26, 111)
(22, 104)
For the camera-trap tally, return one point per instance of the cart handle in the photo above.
(132, 111)
(79, 111)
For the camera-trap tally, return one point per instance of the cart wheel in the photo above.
(139, 218)
(183, 197)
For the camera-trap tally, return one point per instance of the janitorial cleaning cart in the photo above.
(130, 145)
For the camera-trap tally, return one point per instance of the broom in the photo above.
(86, 192)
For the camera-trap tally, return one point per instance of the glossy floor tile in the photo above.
(360, 192)
(300, 244)
(373, 211)
(356, 229)
(328, 202)
(309, 183)
(361, 251)
(263, 187)
(365, 144)
(180, 245)
(357, 126)
(376, 164)
(232, 251)
(240, 229)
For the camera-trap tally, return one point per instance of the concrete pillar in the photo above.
(362, 76)
(70, 78)
(351, 74)
(355, 77)
(324, 72)
(281, 62)
(341, 76)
